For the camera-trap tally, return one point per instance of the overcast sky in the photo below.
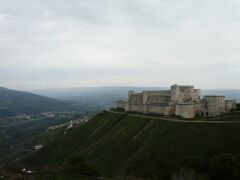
(72, 43)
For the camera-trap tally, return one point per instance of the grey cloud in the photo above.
(44, 41)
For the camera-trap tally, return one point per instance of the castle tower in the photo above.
(145, 98)
(174, 93)
(215, 105)
(130, 93)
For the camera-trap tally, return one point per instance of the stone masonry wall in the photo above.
(161, 109)
(215, 105)
(136, 108)
(185, 110)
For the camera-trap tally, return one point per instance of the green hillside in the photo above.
(123, 145)
(16, 102)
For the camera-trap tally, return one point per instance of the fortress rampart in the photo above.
(184, 101)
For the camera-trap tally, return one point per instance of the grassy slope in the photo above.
(47, 136)
(121, 144)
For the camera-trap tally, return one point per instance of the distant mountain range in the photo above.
(98, 97)
(16, 102)
(229, 93)
(102, 97)
(86, 99)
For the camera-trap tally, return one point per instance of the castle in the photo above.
(183, 101)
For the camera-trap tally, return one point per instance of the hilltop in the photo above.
(124, 145)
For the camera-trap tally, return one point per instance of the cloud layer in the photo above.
(62, 43)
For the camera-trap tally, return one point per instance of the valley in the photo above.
(75, 141)
(119, 90)
(28, 118)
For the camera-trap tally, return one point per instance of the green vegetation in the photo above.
(22, 120)
(123, 145)
(225, 166)
(18, 138)
(77, 165)
(17, 102)
(47, 136)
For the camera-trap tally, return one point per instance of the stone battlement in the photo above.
(184, 101)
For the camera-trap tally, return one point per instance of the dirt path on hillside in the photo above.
(209, 121)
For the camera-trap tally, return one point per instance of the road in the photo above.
(206, 121)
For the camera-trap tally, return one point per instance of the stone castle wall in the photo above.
(161, 109)
(120, 104)
(146, 94)
(184, 94)
(158, 93)
(185, 110)
(184, 101)
(228, 105)
(136, 108)
(215, 105)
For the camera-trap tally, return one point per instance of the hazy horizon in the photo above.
(145, 43)
(42, 89)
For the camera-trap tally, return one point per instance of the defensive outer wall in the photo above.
(183, 101)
